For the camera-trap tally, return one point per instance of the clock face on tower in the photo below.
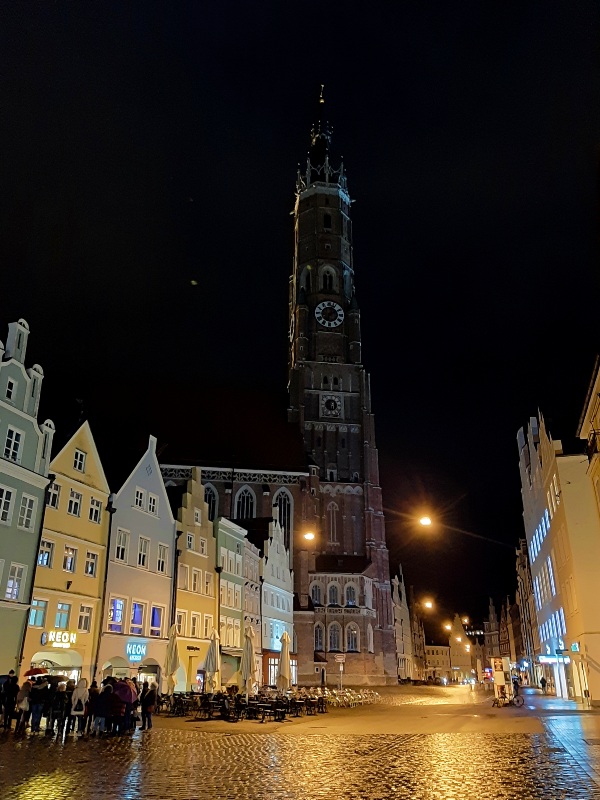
(329, 314)
(331, 405)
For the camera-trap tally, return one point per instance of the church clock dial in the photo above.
(329, 314)
(331, 405)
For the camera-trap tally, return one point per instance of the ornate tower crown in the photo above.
(318, 168)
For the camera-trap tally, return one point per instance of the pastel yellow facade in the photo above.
(64, 619)
(196, 600)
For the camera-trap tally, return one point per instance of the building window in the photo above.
(70, 559)
(54, 495)
(319, 637)
(332, 512)
(26, 512)
(183, 576)
(244, 504)
(84, 623)
(196, 580)
(13, 445)
(122, 545)
(211, 499)
(143, 552)
(95, 514)
(335, 637)
(551, 576)
(74, 507)
(333, 594)
(208, 626)
(197, 516)
(202, 546)
(156, 620)
(37, 613)
(180, 622)
(190, 541)
(138, 612)
(116, 614)
(195, 626)
(46, 553)
(6, 497)
(327, 221)
(283, 503)
(152, 504)
(140, 498)
(63, 613)
(272, 665)
(79, 461)
(16, 578)
(315, 594)
(350, 596)
(352, 638)
(238, 597)
(11, 389)
(91, 564)
(161, 563)
(208, 584)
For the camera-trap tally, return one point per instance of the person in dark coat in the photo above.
(58, 710)
(148, 701)
(94, 694)
(10, 691)
(117, 713)
(102, 712)
(38, 698)
(70, 720)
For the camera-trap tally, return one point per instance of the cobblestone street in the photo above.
(465, 749)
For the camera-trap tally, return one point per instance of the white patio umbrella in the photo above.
(212, 664)
(248, 665)
(284, 669)
(171, 659)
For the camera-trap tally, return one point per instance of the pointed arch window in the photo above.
(282, 505)
(335, 637)
(352, 638)
(332, 515)
(350, 595)
(245, 503)
(333, 594)
(315, 594)
(327, 282)
(319, 637)
(212, 499)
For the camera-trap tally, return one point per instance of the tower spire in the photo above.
(320, 135)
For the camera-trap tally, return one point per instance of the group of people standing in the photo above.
(113, 708)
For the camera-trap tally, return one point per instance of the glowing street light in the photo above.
(465, 620)
(428, 604)
(447, 627)
(309, 536)
(425, 521)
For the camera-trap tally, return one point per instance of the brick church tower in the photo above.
(342, 580)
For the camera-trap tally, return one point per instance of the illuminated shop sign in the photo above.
(62, 639)
(575, 647)
(136, 650)
(554, 659)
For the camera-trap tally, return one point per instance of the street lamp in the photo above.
(309, 536)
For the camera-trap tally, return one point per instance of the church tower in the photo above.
(342, 578)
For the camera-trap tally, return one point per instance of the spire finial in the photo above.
(321, 98)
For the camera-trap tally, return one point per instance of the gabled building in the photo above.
(491, 634)
(196, 599)
(438, 662)
(402, 628)
(530, 640)
(460, 651)
(252, 601)
(139, 599)
(230, 539)
(25, 448)
(64, 619)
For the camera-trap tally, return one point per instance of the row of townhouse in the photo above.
(92, 581)
(558, 565)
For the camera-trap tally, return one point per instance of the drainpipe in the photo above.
(110, 510)
(51, 479)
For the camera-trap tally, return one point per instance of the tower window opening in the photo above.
(327, 221)
(318, 441)
(325, 381)
(326, 201)
(335, 381)
(343, 443)
(327, 282)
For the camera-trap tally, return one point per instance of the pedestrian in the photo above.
(38, 698)
(23, 712)
(515, 683)
(70, 721)
(102, 710)
(58, 710)
(117, 712)
(78, 702)
(91, 708)
(543, 684)
(148, 705)
(10, 691)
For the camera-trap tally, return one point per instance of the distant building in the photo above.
(402, 628)
(66, 607)
(460, 652)
(530, 640)
(438, 662)
(230, 554)
(25, 448)
(491, 634)
(419, 657)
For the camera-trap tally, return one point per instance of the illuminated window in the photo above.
(138, 612)
(350, 596)
(156, 620)
(70, 559)
(46, 553)
(37, 613)
(116, 614)
(63, 613)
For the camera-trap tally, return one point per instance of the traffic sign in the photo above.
(340, 658)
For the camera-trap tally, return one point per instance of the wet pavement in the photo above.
(426, 743)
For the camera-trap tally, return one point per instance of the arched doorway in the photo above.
(67, 663)
(117, 666)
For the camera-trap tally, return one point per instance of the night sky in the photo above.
(147, 145)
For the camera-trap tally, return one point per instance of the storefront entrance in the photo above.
(68, 663)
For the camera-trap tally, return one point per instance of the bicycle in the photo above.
(517, 701)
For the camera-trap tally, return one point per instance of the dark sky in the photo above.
(145, 145)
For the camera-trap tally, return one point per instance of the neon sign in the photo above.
(136, 650)
(62, 639)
